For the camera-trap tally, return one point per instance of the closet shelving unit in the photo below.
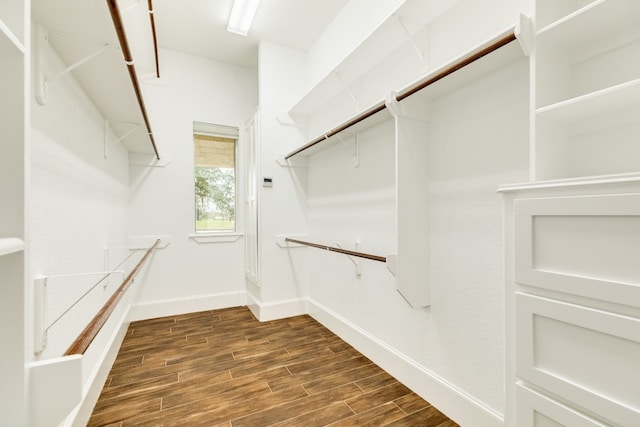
(110, 48)
(586, 81)
(408, 109)
(404, 24)
(572, 231)
(14, 120)
(466, 68)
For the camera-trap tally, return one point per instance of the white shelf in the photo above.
(590, 50)
(623, 97)
(10, 245)
(593, 22)
(549, 11)
(8, 40)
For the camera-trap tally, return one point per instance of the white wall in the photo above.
(281, 209)
(78, 199)
(199, 275)
(478, 139)
(78, 208)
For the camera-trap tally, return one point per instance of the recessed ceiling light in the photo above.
(242, 15)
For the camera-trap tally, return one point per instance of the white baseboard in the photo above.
(171, 307)
(277, 310)
(455, 403)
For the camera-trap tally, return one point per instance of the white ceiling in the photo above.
(78, 28)
(198, 27)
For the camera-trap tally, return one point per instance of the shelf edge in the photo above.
(10, 245)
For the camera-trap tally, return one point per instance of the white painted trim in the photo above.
(455, 403)
(79, 417)
(265, 312)
(215, 238)
(170, 307)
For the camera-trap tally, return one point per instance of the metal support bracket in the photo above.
(108, 144)
(356, 150)
(414, 44)
(356, 263)
(40, 64)
(347, 88)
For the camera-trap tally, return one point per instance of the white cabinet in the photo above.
(573, 231)
(573, 304)
(586, 88)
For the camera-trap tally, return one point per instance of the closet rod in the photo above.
(80, 345)
(339, 250)
(472, 56)
(360, 117)
(155, 37)
(128, 59)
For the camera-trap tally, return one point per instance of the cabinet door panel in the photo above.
(537, 410)
(585, 246)
(587, 356)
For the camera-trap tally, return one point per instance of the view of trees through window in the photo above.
(215, 182)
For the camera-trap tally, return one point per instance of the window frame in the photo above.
(222, 131)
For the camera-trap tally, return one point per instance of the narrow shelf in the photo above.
(10, 245)
(592, 23)
(595, 105)
(550, 11)
(572, 182)
(8, 40)
(437, 82)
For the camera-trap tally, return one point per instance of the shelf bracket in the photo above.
(414, 44)
(108, 144)
(347, 89)
(79, 63)
(42, 81)
(356, 263)
(524, 33)
(356, 151)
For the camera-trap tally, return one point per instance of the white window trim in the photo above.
(216, 237)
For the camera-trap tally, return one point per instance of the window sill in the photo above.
(215, 237)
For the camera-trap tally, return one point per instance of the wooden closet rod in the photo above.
(86, 337)
(472, 56)
(155, 38)
(360, 117)
(339, 250)
(128, 59)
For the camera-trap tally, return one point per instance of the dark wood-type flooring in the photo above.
(224, 368)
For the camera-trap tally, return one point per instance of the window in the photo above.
(215, 177)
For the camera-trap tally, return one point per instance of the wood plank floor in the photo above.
(224, 368)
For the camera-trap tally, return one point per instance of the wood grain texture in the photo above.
(225, 368)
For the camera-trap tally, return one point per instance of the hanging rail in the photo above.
(360, 117)
(155, 38)
(80, 345)
(338, 250)
(472, 56)
(128, 59)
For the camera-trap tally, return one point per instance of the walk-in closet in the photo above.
(331, 213)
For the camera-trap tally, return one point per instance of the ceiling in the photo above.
(198, 27)
(82, 33)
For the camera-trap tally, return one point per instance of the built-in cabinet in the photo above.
(573, 304)
(586, 91)
(573, 232)
(14, 119)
